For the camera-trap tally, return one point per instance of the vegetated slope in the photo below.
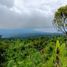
(34, 52)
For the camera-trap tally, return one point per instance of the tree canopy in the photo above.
(60, 19)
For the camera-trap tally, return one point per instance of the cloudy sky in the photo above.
(28, 13)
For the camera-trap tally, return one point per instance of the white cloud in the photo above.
(28, 13)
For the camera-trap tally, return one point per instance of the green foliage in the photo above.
(35, 52)
(60, 19)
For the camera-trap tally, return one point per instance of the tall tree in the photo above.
(60, 19)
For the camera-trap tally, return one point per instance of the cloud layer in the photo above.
(28, 13)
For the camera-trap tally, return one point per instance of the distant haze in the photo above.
(24, 32)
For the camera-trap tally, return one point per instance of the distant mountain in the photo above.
(23, 33)
(37, 34)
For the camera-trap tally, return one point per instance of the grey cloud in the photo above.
(9, 19)
(30, 17)
(8, 3)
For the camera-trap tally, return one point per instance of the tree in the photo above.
(60, 19)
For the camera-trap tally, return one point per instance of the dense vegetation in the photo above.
(34, 52)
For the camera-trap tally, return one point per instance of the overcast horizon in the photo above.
(33, 14)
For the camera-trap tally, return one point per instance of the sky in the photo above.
(28, 13)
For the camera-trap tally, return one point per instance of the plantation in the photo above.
(34, 52)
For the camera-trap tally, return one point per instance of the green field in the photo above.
(34, 52)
